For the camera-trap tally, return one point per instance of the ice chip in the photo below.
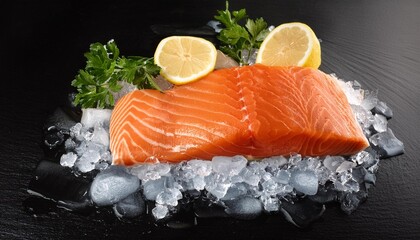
(333, 162)
(351, 200)
(282, 177)
(217, 184)
(235, 191)
(370, 100)
(249, 177)
(345, 166)
(200, 167)
(147, 172)
(152, 188)
(198, 183)
(249, 57)
(383, 109)
(93, 116)
(380, 123)
(305, 182)
(69, 145)
(294, 159)
(270, 204)
(354, 96)
(130, 207)
(228, 166)
(216, 25)
(100, 136)
(169, 196)
(87, 161)
(387, 144)
(160, 211)
(68, 159)
(244, 208)
(76, 130)
(112, 185)
(364, 117)
(125, 88)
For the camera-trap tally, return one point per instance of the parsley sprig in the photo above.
(104, 69)
(235, 38)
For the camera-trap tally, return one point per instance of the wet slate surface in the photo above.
(374, 42)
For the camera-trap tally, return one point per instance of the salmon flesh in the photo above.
(256, 111)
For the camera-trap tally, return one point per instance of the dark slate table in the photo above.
(42, 42)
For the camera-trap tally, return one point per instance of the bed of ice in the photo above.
(295, 186)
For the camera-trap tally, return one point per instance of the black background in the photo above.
(42, 46)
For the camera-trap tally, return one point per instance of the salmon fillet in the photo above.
(255, 111)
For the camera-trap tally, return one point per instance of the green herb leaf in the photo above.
(103, 72)
(235, 38)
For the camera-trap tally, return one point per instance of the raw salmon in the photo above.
(255, 111)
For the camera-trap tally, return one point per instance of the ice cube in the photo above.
(244, 208)
(200, 167)
(363, 116)
(69, 145)
(387, 144)
(130, 207)
(235, 190)
(217, 184)
(125, 88)
(270, 203)
(249, 177)
(294, 159)
(282, 177)
(228, 166)
(100, 135)
(249, 57)
(160, 211)
(93, 116)
(112, 185)
(305, 182)
(147, 172)
(76, 130)
(198, 183)
(383, 109)
(333, 162)
(354, 96)
(345, 166)
(87, 161)
(351, 200)
(68, 159)
(169, 196)
(275, 161)
(370, 100)
(380, 123)
(216, 25)
(152, 188)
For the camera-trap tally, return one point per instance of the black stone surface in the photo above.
(375, 42)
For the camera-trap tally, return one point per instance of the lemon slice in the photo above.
(184, 59)
(290, 44)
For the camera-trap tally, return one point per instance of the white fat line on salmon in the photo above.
(123, 143)
(146, 139)
(219, 134)
(123, 104)
(155, 129)
(338, 94)
(182, 148)
(185, 106)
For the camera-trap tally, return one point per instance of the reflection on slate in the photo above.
(52, 181)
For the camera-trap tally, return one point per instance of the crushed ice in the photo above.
(245, 189)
